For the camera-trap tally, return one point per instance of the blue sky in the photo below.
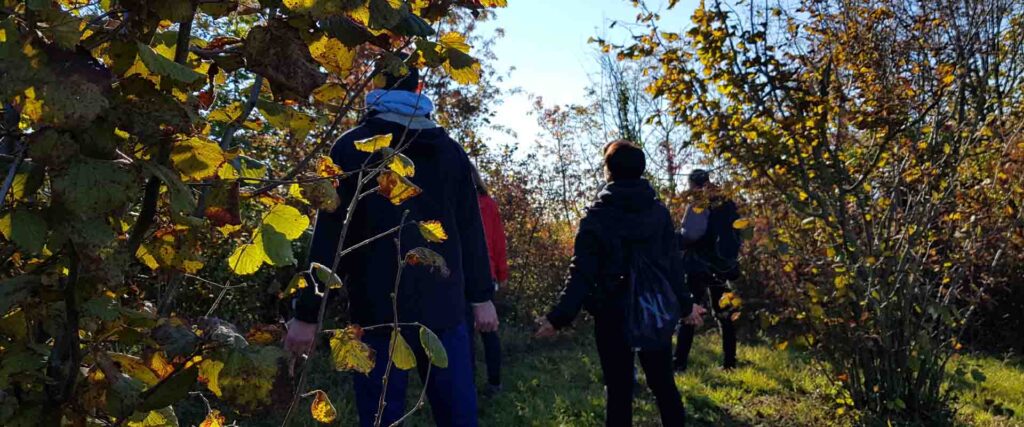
(546, 42)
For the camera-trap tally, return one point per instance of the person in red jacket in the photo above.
(494, 233)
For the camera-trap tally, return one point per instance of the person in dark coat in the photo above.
(438, 301)
(711, 250)
(627, 212)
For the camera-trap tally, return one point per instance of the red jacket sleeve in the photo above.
(495, 233)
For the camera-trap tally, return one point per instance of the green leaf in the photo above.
(171, 390)
(196, 158)
(246, 259)
(248, 376)
(978, 376)
(164, 417)
(402, 354)
(325, 276)
(91, 187)
(181, 196)
(277, 250)
(159, 65)
(102, 307)
(287, 220)
(26, 228)
(243, 167)
(433, 347)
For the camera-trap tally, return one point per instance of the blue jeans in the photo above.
(450, 391)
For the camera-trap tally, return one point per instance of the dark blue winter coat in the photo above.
(443, 172)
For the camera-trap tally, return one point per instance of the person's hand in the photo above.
(696, 317)
(299, 340)
(544, 328)
(485, 317)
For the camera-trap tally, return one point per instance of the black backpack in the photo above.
(652, 309)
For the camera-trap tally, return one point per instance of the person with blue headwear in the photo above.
(435, 299)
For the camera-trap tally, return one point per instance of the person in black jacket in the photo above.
(438, 301)
(711, 246)
(627, 210)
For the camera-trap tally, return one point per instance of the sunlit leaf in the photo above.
(374, 143)
(433, 231)
(209, 374)
(454, 40)
(402, 354)
(287, 221)
(433, 347)
(197, 158)
(158, 64)
(134, 367)
(463, 68)
(325, 167)
(246, 259)
(333, 55)
(396, 188)
(248, 376)
(349, 352)
(164, 417)
(213, 419)
(741, 224)
(322, 409)
(402, 165)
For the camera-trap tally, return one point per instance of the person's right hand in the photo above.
(544, 328)
(300, 339)
(696, 317)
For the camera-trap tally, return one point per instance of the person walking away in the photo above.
(494, 230)
(625, 228)
(711, 251)
(444, 173)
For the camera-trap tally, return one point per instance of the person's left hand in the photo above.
(544, 328)
(485, 317)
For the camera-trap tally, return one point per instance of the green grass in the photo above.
(557, 383)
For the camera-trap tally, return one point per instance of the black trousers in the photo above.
(617, 365)
(492, 355)
(701, 285)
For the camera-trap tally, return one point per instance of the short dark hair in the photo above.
(624, 160)
(409, 81)
(699, 178)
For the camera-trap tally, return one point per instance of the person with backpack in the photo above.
(711, 247)
(494, 230)
(627, 271)
(424, 296)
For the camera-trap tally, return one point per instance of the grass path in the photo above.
(557, 383)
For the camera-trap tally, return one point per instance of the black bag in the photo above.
(652, 310)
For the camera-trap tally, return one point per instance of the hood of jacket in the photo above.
(630, 209)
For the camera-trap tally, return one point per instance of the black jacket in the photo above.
(717, 252)
(626, 211)
(443, 171)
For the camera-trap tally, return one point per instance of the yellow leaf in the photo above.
(494, 3)
(455, 41)
(213, 419)
(464, 74)
(133, 367)
(401, 354)
(247, 259)
(433, 231)
(300, 6)
(322, 408)
(325, 167)
(196, 158)
(782, 345)
(372, 144)
(159, 418)
(333, 55)
(741, 224)
(226, 114)
(295, 191)
(349, 353)
(396, 188)
(287, 220)
(402, 165)
(209, 373)
(159, 365)
(330, 93)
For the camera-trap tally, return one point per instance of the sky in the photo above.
(546, 44)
